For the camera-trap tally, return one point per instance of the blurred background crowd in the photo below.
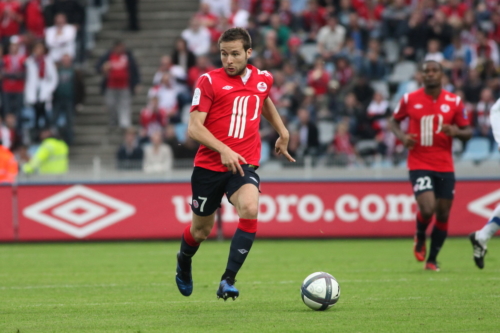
(339, 66)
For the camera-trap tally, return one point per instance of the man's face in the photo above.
(234, 58)
(432, 75)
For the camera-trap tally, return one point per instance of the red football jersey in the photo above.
(427, 116)
(234, 108)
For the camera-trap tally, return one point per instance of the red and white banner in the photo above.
(292, 209)
(6, 219)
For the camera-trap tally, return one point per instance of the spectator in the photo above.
(239, 16)
(271, 53)
(374, 67)
(440, 29)
(282, 32)
(417, 35)
(158, 156)
(287, 17)
(206, 17)
(13, 74)
(130, 155)
(34, 19)
(363, 91)
(378, 112)
(434, 51)
(473, 87)
(293, 55)
(8, 165)
(458, 50)
(167, 66)
(182, 56)
(41, 81)
(197, 38)
(358, 33)
(153, 118)
(14, 137)
(482, 116)
(202, 66)
(345, 9)
(167, 95)
(132, 12)
(11, 17)
(458, 73)
(308, 134)
(121, 80)
(51, 156)
(485, 49)
(313, 18)
(318, 78)
(394, 19)
(69, 93)
(454, 8)
(61, 38)
(343, 72)
(353, 55)
(342, 150)
(331, 38)
(220, 8)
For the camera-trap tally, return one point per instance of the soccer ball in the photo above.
(320, 291)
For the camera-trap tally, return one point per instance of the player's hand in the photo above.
(450, 130)
(231, 161)
(281, 148)
(409, 140)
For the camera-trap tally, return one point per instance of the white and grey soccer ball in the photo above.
(320, 291)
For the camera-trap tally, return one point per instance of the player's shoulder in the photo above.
(211, 76)
(413, 96)
(261, 73)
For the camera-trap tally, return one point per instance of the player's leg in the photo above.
(208, 190)
(444, 188)
(480, 238)
(243, 193)
(423, 189)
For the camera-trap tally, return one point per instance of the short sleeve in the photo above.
(401, 111)
(270, 82)
(461, 118)
(203, 94)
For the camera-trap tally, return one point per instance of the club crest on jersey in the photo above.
(445, 108)
(262, 86)
(196, 96)
(195, 203)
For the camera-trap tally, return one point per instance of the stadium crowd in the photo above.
(339, 67)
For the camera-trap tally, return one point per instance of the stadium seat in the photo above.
(326, 131)
(309, 52)
(265, 152)
(180, 132)
(495, 154)
(403, 71)
(391, 49)
(381, 87)
(476, 150)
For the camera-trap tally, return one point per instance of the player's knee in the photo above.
(200, 234)
(249, 210)
(426, 212)
(442, 216)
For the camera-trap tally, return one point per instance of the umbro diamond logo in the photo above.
(242, 251)
(227, 88)
(418, 106)
(255, 180)
(482, 206)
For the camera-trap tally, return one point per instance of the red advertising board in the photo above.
(6, 219)
(291, 209)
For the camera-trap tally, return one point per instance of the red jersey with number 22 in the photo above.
(233, 110)
(427, 117)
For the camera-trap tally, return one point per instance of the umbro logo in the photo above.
(255, 180)
(418, 106)
(242, 251)
(227, 88)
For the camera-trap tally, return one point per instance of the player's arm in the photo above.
(408, 139)
(198, 132)
(495, 121)
(271, 114)
(463, 133)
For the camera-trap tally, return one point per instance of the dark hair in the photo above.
(431, 61)
(233, 34)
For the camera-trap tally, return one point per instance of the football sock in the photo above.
(438, 236)
(188, 248)
(240, 247)
(493, 225)
(422, 225)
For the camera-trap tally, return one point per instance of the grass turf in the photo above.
(129, 287)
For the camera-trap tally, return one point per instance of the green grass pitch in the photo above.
(129, 287)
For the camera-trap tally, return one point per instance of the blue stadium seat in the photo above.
(180, 132)
(495, 154)
(476, 150)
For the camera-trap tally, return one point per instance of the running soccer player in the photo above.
(225, 116)
(435, 117)
(481, 237)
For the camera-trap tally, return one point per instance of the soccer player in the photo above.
(435, 117)
(225, 116)
(481, 237)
